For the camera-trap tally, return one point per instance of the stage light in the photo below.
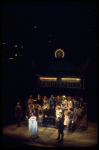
(78, 79)
(70, 79)
(21, 46)
(64, 96)
(3, 43)
(10, 58)
(15, 45)
(46, 78)
(15, 54)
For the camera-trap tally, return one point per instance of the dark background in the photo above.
(41, 28)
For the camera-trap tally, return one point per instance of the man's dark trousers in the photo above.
(60, 131)
(60, 127)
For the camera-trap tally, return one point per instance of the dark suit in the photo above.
(39, 101)
(47, 119)
(18, 114)
(60, 127)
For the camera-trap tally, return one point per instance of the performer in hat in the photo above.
(64, 102)
(45, 101)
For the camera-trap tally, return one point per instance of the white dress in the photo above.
(33, 126)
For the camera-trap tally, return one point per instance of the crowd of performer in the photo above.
(47, 110)
(57, 111)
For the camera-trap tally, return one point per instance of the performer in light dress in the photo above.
(33, 126)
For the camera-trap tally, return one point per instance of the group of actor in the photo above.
(57, 111)
(47, 110)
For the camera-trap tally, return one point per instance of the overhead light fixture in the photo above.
(46, 78)
(70, 79)
(15, 54)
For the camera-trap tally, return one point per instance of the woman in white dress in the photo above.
(33, 126)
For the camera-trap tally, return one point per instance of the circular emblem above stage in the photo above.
(59, 53)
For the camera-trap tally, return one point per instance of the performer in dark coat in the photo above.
(52, 105)
(60, 126)
(18, 114)
(58, 100)
(40, 115)
(47, 116)
(39, 100)
(75, 104)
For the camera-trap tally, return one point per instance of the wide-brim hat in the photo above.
(64, 96)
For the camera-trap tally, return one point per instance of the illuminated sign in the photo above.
(60, 82)
(70, 82)
(47, 84)
(70, 85)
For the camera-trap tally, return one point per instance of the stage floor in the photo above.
(13, 136)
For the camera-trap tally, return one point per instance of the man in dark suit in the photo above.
(60, 126)
(18, 114)
(47, 116)
(39, 100)
(52, 105)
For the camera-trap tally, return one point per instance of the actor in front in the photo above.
(60, 126)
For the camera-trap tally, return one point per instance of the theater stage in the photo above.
(13, 136)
